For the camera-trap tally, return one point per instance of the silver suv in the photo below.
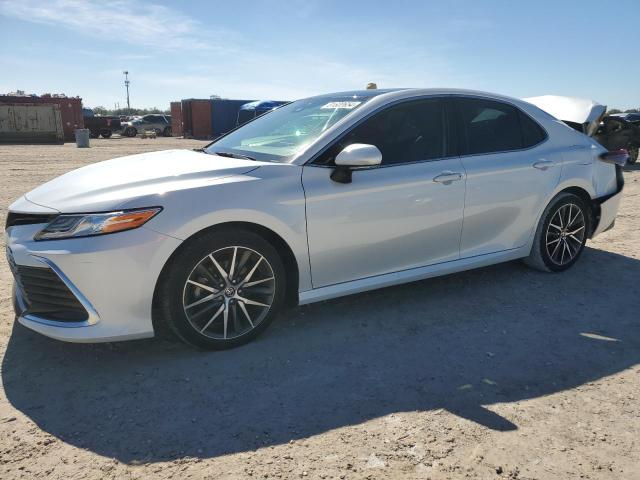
(161, 124)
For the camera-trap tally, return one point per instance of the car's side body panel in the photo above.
(504, 192)
(388, 219)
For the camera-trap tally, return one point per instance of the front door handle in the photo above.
(447, 177)
(543, 164)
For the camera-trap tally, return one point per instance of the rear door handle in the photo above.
(448, 177)
(543, 164)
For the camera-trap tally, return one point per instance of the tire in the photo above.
(634, 151)
(158, 131)
(130, 132)
(94, 133)
(167, 132)
(549, 239)
(106, 133)
(209, 311)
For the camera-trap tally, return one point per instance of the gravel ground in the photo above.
(501, 372)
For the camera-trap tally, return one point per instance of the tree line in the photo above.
(100, 110)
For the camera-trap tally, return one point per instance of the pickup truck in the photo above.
(100, 125)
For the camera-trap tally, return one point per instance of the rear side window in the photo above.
(490, 126)
(532, 133)
(409, 132)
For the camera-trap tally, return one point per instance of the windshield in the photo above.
(281, 134)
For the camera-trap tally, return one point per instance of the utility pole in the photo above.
(126, 84)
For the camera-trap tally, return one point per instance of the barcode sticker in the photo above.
(345, 105)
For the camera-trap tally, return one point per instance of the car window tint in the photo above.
(532, 133)
(489, 126)
(409, 132)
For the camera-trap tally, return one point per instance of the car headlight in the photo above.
(89, 224)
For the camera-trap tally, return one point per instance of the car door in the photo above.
(403, 214)
(511, 171)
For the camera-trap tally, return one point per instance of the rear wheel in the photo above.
(106, 133)
(222, 289)
(167, 131)
(561, 234)
(130, 132)
(94, 133)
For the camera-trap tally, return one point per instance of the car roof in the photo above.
(401, 93)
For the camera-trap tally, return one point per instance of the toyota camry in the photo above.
(322, 197)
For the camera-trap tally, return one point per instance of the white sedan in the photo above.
(323, 197)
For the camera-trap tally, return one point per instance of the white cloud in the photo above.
(143, 24)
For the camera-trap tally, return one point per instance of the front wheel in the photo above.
(222, 289)
(106, 133)
(561, 234)
(167, 131)
(130, 132)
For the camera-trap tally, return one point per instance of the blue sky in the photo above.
(289, 49)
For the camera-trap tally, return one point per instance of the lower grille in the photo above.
(47, 296)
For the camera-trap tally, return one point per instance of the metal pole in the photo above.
(126, 84)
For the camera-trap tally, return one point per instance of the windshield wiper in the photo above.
(234, 155)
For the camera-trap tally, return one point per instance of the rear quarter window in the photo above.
(490, 126)
(532, 132)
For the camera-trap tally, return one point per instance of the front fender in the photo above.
(272, 198)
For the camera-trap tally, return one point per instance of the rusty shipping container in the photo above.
(196, 118)
(176, 119)
(70, 110)
(31, 123)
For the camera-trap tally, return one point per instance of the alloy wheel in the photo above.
(565, 234)
(229, 293)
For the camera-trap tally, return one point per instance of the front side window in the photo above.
(280, 135)
(490, 126)
(409, 132)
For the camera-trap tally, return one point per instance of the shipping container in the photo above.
(196, 118)
(70, 110)
(176, 119)
(224, 115)
(205, 118)
(251, 110)
(31, 123)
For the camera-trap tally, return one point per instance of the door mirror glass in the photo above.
(359, 155)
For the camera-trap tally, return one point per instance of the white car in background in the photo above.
(323, 197)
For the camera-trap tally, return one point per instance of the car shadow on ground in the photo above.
(461, 342)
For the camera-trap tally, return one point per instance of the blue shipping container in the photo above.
(224, 115)
(251, 110)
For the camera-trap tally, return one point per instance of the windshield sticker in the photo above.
(345, 105)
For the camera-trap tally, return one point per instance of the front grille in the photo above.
(46, 295)
(15, 218)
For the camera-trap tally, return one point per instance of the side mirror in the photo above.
(617, 157)
(355, 155)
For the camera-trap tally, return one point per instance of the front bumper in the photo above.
(112, 276)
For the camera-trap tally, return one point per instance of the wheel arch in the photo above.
(593, 206)
(281, 246)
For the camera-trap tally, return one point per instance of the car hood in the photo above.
(111, 184)
(574, 111)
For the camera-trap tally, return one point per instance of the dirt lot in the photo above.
(500, 372)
